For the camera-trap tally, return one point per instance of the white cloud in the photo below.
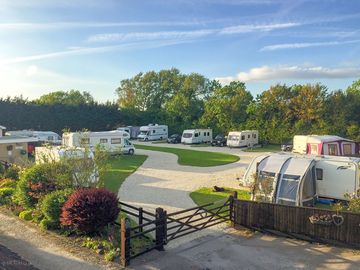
(150, 35)
(267, 73)
(247, 28)
(306, 45)
(91, 50)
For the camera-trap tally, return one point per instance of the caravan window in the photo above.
(204, 133)
(249, 136)
(234, 138)
(254, 135)
(187, 135)
(208, 133)
(154, 131)
(51, 138)
(103, 140)
(333, 150)
(347, 149)
(196, 134)
(319, 174)
(115, 141)
(242, 137)
(314, 148)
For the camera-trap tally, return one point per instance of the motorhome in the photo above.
(245, 138)
(49, 137)
(113, 141)
(194, 136)
(325, 145)
(153, 132)
(133, 131)
(300, 179)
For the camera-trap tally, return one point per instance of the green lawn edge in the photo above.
(193, 157)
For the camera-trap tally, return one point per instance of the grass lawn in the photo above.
(121, 167)
(207, 195)
(265, 148)
(194, 158)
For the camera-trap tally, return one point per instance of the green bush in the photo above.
(12, 172)
(52, 203)
(6, 194)
(46, 224)
(7, 183)
(26, 214)
(39, 180)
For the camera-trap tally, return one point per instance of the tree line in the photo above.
(184, 101)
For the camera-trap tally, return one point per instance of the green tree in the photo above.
(72, 97)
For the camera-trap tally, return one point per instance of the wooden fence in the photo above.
(340, 227)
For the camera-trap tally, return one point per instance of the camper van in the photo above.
(133, 131)
(245, 138)
(298, 180)
(113, 141)
(325, 145)
(42, 136)
(193, 136)
(153, 132)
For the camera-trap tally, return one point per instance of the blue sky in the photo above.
(92, 45)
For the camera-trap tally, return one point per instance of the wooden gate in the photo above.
(160, 228)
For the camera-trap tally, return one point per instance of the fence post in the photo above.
(125, 242)
(160, 232)
(141, 218)
(231, 206)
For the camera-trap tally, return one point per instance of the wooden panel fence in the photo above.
(341, 227)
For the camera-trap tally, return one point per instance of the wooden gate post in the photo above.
(161, 230)
(125, 242)
(231, 208)
(141, 219)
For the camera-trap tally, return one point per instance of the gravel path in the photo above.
(162, 182)
(43, 250)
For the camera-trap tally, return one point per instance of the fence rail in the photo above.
(339, 228)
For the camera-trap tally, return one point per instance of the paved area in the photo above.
(232, 250)
(12, 261)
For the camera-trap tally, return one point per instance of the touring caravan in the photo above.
(245, 138)
(153, 132)
(193, 136)
(113, 141)
(42, 136)
(325, 145)
(133, 131)
(299, 180)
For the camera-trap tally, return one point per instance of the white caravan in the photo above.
(56, 153)
(298, 179)
(42, 136)
(192, 136)
(245, 138)
(133, 131)
(153, 132)
(113, 141)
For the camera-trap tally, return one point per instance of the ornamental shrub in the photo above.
(39, 180)
(52, 203)
(89, 210)
(26, 214)
(6, 194)
(7, 183)
(12, 172)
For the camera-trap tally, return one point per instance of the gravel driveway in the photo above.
(162, 182)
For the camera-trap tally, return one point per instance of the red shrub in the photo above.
(88, 210)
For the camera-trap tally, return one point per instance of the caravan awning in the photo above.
(273, 164)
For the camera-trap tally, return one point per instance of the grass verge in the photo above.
(207, 195)
(194, 157)
(119, 168)
(265, 148)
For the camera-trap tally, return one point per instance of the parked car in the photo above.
(175, 138)
(287, 147)
(220, 140)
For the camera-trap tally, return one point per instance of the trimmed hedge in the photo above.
(88, 210)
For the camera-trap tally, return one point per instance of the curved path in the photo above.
(162, 182)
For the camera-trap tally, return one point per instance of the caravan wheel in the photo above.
(131, 152)
(146, 139)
